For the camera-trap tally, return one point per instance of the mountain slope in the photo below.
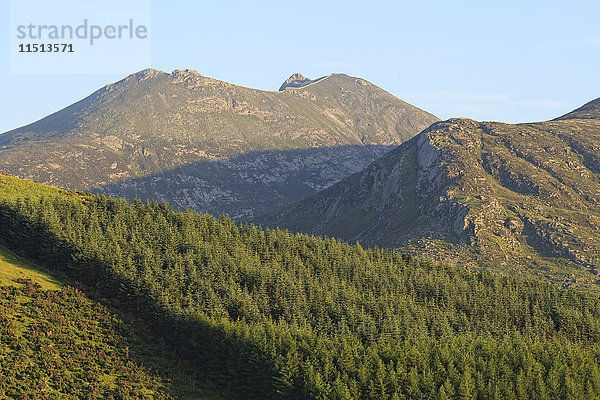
(589, 110)
(153, 133)
(522, 198)
(59, 344)
(272, 315)
(13, 268)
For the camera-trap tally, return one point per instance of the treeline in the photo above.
(277, 315)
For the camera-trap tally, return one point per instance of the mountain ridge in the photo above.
(590, 110)
(514, 198)
(152, 122)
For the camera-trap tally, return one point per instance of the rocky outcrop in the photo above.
(518, 198)
(294, 81)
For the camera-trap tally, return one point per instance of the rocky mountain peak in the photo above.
(185, 73)
(213, 146)
(295, 80)
(148, 73)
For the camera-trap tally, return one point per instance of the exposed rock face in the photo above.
(521, 198)
(295, 80)
(249, 184)
(208, 145)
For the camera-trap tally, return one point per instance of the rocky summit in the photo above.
(211, 146)
(514, 198)
(294, 81)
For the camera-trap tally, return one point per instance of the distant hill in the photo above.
(211, 146)
(521, 198)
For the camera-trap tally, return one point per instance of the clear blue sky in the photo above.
(511, 61)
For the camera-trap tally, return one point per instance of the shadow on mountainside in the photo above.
(195, 355)
(250, 184)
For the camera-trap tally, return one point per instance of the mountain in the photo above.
(589, 110)
(267, 314)
(522, 198)
(208, 145)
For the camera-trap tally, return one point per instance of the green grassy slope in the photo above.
(58, 344)
(13, 268)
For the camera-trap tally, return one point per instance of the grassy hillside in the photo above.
(269, 314)
(13, 268)
(56, 343)
(59, 344)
